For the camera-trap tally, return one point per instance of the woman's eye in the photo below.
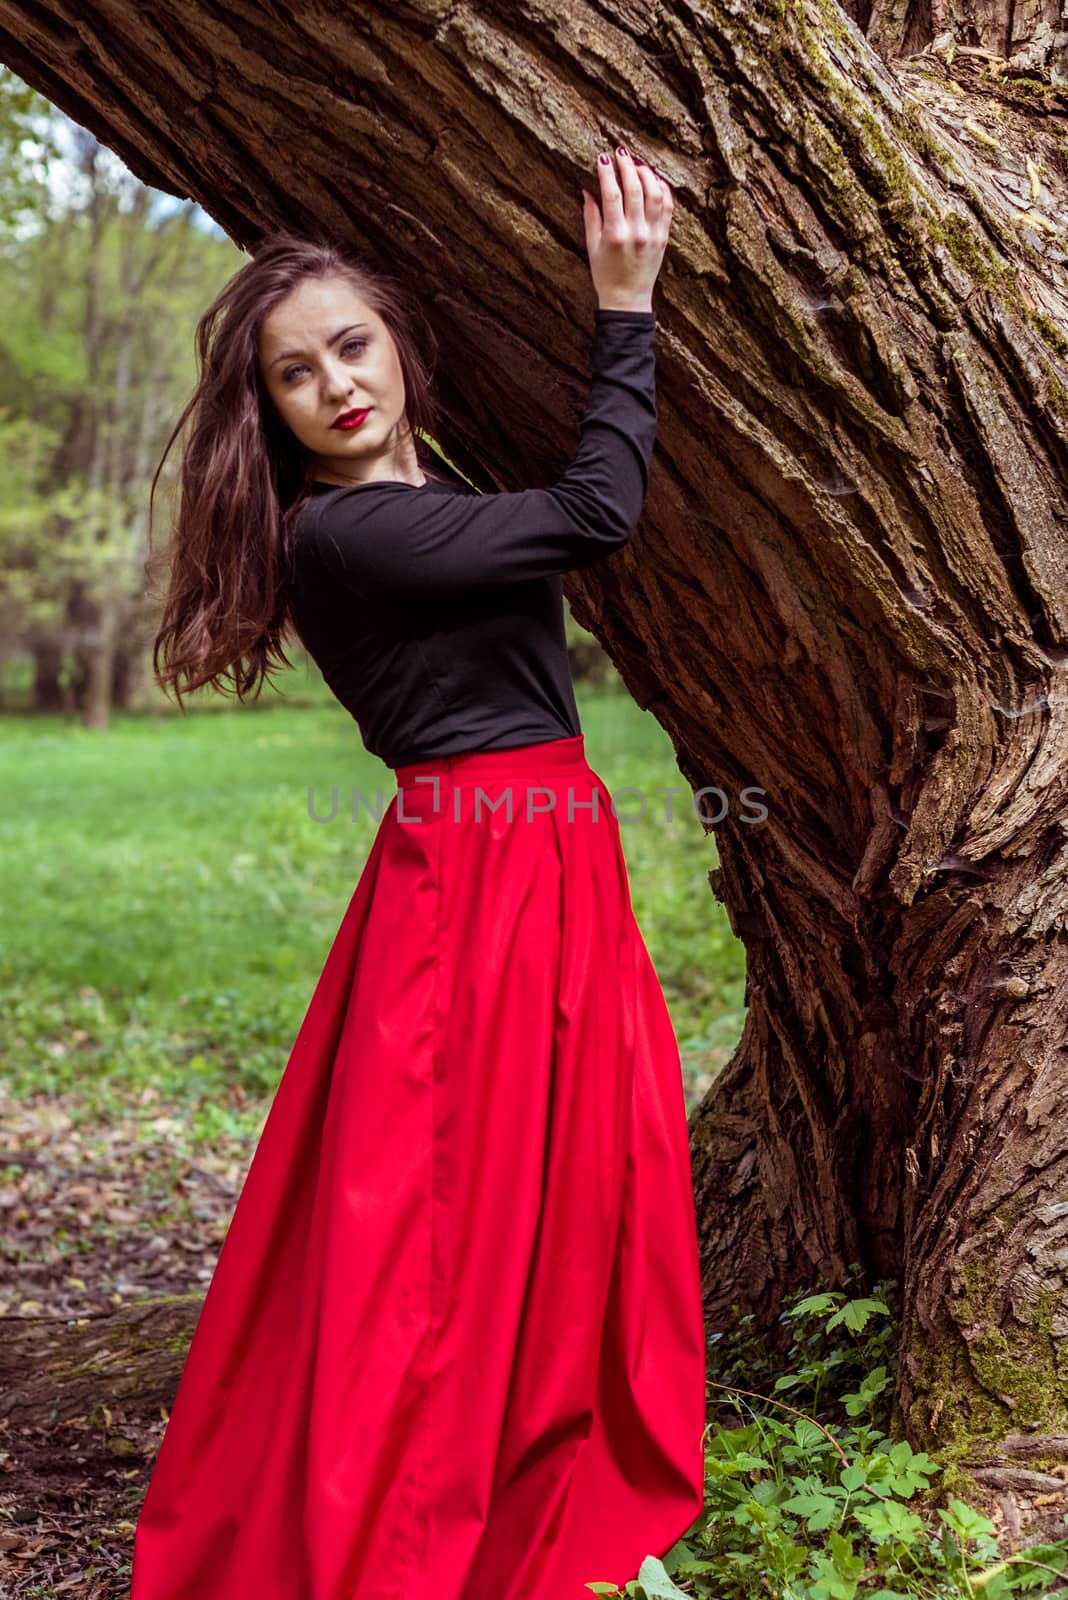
(348, 345)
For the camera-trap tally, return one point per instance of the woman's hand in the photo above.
(627, 237)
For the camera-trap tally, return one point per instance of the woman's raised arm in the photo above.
(390, 538)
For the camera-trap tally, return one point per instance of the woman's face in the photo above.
(324, 352)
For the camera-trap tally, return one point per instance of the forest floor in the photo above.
(93, 1217)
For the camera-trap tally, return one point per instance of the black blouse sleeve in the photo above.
(393, 538)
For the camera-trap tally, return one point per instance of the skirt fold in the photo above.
(453, 1346)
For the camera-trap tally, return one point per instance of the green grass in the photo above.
(168, 902)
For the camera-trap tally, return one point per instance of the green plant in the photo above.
(811, 1499)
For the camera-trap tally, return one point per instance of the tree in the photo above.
(848, 589)
(89, 373)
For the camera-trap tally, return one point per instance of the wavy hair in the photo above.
(244, 476)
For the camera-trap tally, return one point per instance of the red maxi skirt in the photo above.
(453, 1346)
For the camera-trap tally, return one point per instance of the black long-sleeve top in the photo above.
(435, 613)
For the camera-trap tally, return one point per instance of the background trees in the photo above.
(103, 285)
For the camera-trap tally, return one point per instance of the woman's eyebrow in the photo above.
(333, 339)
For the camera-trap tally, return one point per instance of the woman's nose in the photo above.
(337, 382)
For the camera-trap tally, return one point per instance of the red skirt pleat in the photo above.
(453, 1345)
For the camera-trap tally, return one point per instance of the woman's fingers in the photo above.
(611, 198)
(653, 194)
(633, 200)
(659, 201)
(632, 222)
(591, 216)
(631, 187)
(626, 235)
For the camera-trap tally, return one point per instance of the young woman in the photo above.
(453, 1345)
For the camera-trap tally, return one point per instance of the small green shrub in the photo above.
(810, 1498)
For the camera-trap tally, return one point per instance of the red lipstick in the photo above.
(351, 419)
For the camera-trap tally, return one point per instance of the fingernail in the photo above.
(605, 160)
(622, 150)
(638, 162)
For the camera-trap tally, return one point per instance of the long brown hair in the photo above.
(244, 476)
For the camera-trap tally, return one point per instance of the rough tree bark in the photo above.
(54, 1370)
(848, 588)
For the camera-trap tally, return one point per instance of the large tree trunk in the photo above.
(848, 591)
(130, 673)
(47, 667)
(99, 644)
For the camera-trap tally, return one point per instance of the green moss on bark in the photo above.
(862, 164)
(976, 1390)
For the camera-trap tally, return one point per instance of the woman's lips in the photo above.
(351, 419)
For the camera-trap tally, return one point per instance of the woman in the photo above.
(453, 1345)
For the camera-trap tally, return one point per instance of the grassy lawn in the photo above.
(169, 902)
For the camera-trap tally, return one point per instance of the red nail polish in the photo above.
(604, 160)
(622, 150)
(638, 162)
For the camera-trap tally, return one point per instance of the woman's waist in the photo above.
(551, 758)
